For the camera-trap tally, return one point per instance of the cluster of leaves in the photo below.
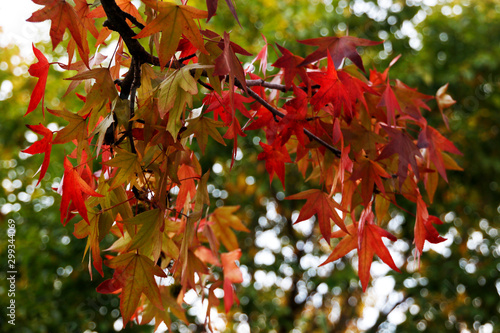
(137, 176)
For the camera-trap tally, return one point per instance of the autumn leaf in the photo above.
(134, 274)
(424, 229)
(444, 101)
(212, 8)
(370, 243)
(223, 222)
(103, 91)
(202, 127)
(339, 89)
(187, 188)
(290, 64)
(126, 5)
(348, 243)
(99, 226)
(262, 57)
(76, 129)
(390, 102)
(73, 190)
(371, 173)
(232, 274)
(233, 131)
(338, 48)
(223, 106)
(402, 145)
(175, 92)
(39, 70)
(102, 128)
(366, 237)
(228, 64)
(150, 234)
(83, 10)
(436, 144)
(275, 157)
(130, 168)
(325, 208)
(63, 16)
(173, 21)
(43, 146)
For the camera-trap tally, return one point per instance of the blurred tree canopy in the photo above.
(457, 285)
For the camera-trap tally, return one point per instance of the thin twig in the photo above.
(135, 66)
(277, 113)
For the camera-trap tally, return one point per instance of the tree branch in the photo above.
(276, 86)
(116, 21)
(277, 113)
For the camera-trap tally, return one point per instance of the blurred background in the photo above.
(456, 288)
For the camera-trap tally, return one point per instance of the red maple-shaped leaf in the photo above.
(390, 102)
(73, 190)
(370, 243)
(187, 188)
(339, 89)
(212, 8)
(295, 119)
(228, 64)
(338, 48)
(424, 229)
(366, 237)
(223, 106)
(348, 243)
(232, 274)
(370, 173)
(402, 145)
(63, 16)
(275, 157)
(41, 71)
(325, 208)
(290, 64)
(436, 143)
(43, 146)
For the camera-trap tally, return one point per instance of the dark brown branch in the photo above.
(276, 86)
(277, 113)
(134, 20)
(206, 85)
(117, 22)
(262, 83)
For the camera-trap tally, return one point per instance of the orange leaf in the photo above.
(232, 274)
(73, 189)
(323, 205)
(134, 273)
(173, 20)
(63, 16)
